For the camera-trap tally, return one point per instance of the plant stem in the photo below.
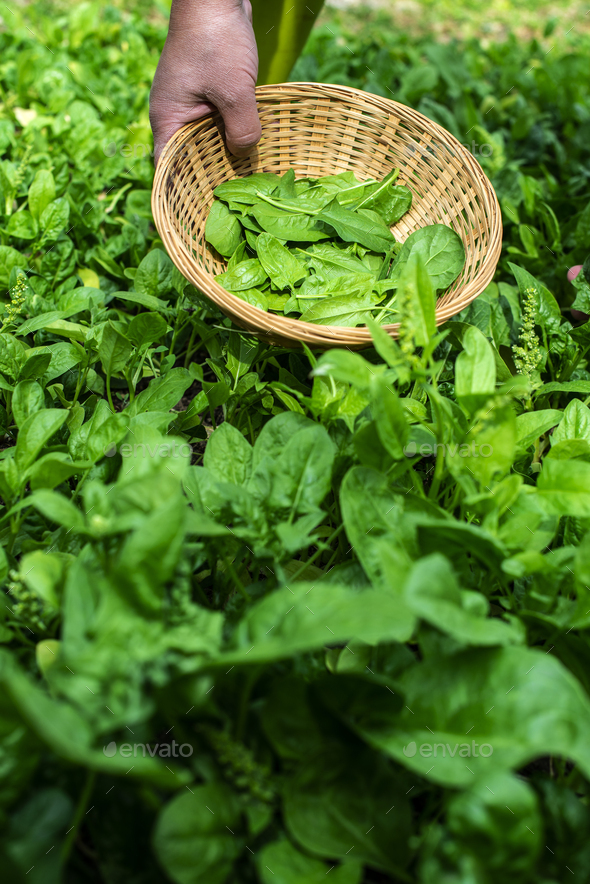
(235, 577)
(191, 341)
(438, 473)
(130, 387)
(72, 834)
(251, 678)
(109, 397)
(279, 205)
(317, 553)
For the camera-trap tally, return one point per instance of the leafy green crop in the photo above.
(330, 283)
(270, 615)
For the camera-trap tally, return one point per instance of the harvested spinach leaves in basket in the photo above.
(322, 250)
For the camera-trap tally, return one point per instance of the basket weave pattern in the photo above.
(323, 130)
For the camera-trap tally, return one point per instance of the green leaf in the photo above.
(308, 616)
(146, 328)
(532, 424)
(575, 423)
(281, 34)
(416, 291)
(390, 417)
(332, 796)
(246, 189)
(272, 441)
(518, 703)
(27, 398)
(458, 539)
(145, 300)
(345, 366)
(284, 270)
(371, 232)
(286, 226)
(475, 370)
(114, 351)
(35, 433)
(228, 455)
(563, 387)
(564, 487)
(68, 734)
(10, 258)
(163, 393)
(288, 721)
(281, 863)
(22, 225)
(3, 566)
(154, 275)
(497, 825)
(442, 252)
(254, 297)
(432, 593)
(149, 555)
(223, 230)
(247, 275)
(350, 309)
(195, 837)
(373, 515)
(302, 472)
(329, 261)
(58, 508)
(389, 200)
(102, 438)
(52, 469)
(36, 364)
(72, 330)
(54, 219)
(41, 193)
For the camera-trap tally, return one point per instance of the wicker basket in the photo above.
(324, 130)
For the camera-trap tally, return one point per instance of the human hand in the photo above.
(209, 61)
(571, 275)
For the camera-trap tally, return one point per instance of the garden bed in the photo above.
(272, 615)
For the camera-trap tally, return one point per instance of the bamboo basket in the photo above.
(323, 130)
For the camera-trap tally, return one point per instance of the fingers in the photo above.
(163, 128)
(571, 275)
(164, 123)
(242, 123)
(573, 272)
(161, 138)
(167, 116)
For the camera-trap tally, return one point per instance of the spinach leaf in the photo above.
(287, 226)
(329, 261)
(284, 270)
(247, 274)
(369, 231)
(223, 230)
(195, 838)
(349, 309)
(389, 200)
(441, 250)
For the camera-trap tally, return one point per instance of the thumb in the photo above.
(242, 123)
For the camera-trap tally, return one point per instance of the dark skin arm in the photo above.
(209, 61)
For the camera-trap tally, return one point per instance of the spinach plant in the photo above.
(279, 615)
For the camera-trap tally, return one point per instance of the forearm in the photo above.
(185, 12)
(209, 61)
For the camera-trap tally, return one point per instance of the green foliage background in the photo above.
(334, 575)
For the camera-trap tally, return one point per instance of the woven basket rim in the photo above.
(269, 324)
